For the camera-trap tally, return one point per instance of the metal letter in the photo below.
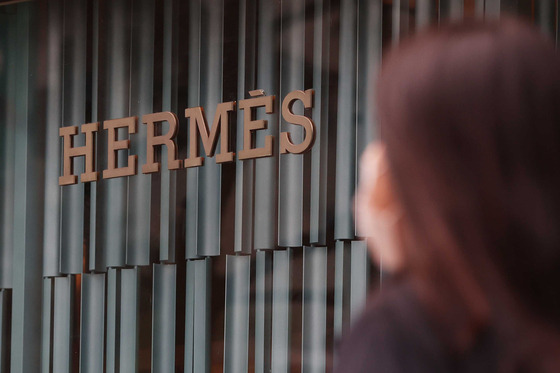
(250, 124)
(152, 141)
(70, 152)
(209, 137)
(113, 146)
(286, 144)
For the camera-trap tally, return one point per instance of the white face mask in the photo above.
(377, 219)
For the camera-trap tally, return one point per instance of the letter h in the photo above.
(69, 152)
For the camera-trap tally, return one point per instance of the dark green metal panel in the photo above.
(426, 13)
(163, 324)
(369, 63)
(266, 169)
(5, 326)
(245, 170)
(92, 329)
(96, 261)
(320, 114)
(545, 14)
(346, 129)
(28, 199)
(202, 297)
(451, 9)
(7, 146)
(51, 236)
(281, 315)
(62, 324)
(210, 176)
(236, 335)
(122, 320)
(291, 171)
(46, 341)
(169, 178)
(128, 358)
(113, 102)
(73, 114)
(194, 73)
(359, 277)
(492, 8)
(197, 313)
(263, 311)
(189, 316)
(341, 288)
(400, 20)
(141, 102)
(113, 320)
(314, 328)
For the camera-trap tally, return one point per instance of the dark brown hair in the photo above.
(470, 115)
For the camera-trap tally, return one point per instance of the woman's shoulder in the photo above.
(394, 335)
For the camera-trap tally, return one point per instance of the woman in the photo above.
(461, 197)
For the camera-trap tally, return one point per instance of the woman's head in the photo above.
(469, 116)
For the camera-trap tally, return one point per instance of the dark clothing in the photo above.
(394, 336)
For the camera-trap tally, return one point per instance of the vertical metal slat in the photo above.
(51, 235)
(141, 102)
(281, 325)
(341, 288)
(314, 328)
(359, 277)
(426, 13)
(168, 204)
(5, 315)
(189, 315)
(28, 199)
(245, 170)
(210, 176)
(92, 323)
(346, 129)
(266, 169)
(128, 358)
(290, 194)
(194, 75)
(46, 325)
(320, 113)
(492, 8)
(113, 319)
(62, 324)
(163, 324)
(236, 346)
(545, 11)
(111, 194)
(263, 311)
(74, 113)
(197, 314)
(202, 297)
(369, 62)
(400, 20)
(7, 149)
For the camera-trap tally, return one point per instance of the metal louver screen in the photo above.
(253, 265)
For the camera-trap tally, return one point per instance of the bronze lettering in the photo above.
(114, 145)
(168, 140)
(69, 152)
(286, 144)
(250, 124)
(199, 126)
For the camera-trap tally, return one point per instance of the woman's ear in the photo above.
(382, 195)
(377, 209)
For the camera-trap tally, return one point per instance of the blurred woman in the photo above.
(461, 199)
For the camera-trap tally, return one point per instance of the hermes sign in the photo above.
(198, 129)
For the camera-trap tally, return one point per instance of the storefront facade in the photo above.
(139, 256)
